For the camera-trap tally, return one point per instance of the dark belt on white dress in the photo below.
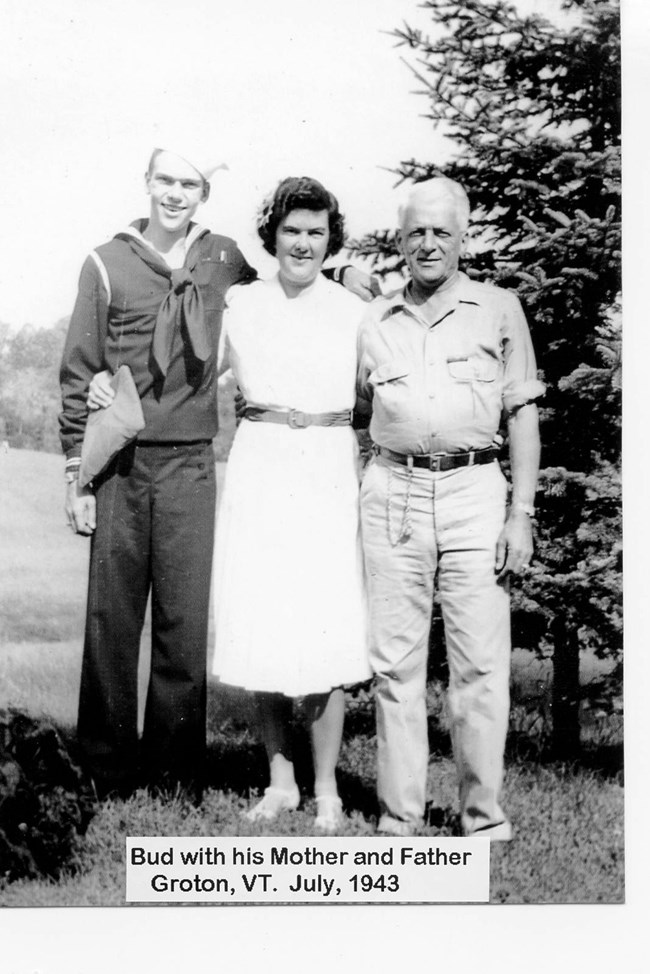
(296, 419)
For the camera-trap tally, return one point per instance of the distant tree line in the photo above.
(30, 398)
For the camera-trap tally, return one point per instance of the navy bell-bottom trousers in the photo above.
(155, 534)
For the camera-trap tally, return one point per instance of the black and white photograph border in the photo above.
(45, 560)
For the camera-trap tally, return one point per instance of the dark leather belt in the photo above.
(441, 461)
(173, 443)
(296, 419)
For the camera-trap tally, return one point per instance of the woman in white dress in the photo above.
(289, 597)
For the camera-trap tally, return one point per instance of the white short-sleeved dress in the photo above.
(289, 596)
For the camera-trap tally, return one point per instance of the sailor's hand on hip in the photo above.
(240, 406)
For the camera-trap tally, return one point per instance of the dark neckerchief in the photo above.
(183, 304)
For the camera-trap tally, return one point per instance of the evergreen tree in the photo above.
(532, 109)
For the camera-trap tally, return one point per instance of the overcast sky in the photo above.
(271, 87)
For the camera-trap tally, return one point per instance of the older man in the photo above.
(152, 298)
(444, 364)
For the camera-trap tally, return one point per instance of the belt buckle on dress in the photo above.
(435, 459)
(296, 419)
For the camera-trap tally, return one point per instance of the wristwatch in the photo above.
(72, 476)
(526, 508)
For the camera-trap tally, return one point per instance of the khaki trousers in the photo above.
(420, 526)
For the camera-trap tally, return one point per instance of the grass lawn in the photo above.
(568, 846)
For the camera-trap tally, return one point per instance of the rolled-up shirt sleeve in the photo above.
(83, 356)
(520, 382)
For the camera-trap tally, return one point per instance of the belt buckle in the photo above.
(435, 460)
(296, 419)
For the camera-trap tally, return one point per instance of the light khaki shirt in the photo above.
(446, 386)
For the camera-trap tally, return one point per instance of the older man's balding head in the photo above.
(433, 223)
(434, 190)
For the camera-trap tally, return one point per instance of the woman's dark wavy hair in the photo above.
(300, 193)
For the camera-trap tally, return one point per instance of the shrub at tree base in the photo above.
(45, 803)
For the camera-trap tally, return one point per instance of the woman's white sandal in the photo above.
(274, 802)
(329, 813)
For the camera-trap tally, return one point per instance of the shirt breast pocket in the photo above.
(391, 374)
(475, 368)
(475, 392)
(391, 383)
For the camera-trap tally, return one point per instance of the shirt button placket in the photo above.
(430, 373)
(430, 363)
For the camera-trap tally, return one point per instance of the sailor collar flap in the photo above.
(133, 235)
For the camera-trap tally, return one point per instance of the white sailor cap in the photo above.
(204, 167)
(190, 148)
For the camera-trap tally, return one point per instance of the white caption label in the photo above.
(273, 869)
